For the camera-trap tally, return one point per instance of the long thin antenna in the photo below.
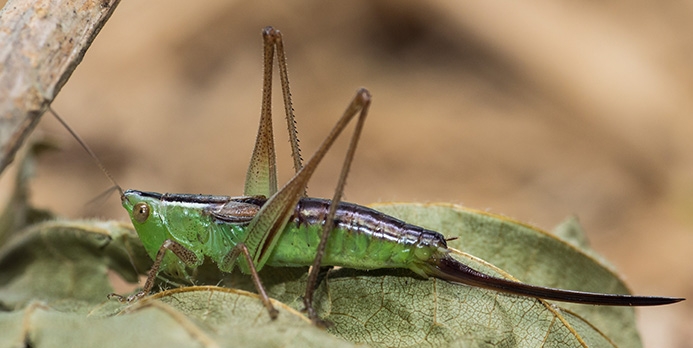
(88, 150)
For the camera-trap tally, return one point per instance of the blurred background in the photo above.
(537, 111)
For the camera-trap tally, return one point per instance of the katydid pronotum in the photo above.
(284, 227)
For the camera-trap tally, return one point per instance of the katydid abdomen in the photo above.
(213, 226)
(362, 238)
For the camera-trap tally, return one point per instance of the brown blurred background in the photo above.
(537, 111)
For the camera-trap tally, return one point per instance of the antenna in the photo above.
(88, 150)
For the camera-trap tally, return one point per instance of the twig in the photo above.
(41, 44)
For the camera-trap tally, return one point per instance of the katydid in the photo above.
(270, 227)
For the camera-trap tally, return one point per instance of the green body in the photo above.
(353, 244)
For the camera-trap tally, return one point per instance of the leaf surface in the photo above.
(54, 278)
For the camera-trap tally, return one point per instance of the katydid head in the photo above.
(158, 218)
(144, 209)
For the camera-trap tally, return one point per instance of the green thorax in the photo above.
(186, 219)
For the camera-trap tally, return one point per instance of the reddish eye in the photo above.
(141, 212)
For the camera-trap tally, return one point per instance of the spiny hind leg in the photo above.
(183, 253)
(273, 36)
(228, 263)
(261, 178)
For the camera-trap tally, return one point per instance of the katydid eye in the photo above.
(141, 212)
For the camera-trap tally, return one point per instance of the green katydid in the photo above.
(283, 227)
